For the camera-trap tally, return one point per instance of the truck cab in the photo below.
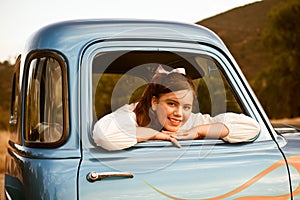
(73, 73)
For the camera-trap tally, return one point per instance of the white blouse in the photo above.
(117, 130)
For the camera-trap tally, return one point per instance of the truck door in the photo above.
(200, 169)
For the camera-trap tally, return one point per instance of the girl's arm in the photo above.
(144, 134)
(215, 130)
(230, 127)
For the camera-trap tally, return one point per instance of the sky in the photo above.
(20, 18)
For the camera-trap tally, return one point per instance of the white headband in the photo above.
(161, 70)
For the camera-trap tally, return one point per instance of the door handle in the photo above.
(95, 176)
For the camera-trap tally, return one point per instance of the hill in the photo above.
(241, 30)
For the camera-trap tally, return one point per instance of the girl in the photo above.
(164, 112)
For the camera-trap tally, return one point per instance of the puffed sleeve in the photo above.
(116, 130)
(241, 127)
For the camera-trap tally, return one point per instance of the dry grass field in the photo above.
(287, 121)
(3, 145)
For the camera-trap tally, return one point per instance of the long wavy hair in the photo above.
(162, 83)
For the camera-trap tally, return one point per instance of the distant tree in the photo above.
(278, 86)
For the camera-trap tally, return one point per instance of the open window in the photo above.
(120, 77)
(46, 110)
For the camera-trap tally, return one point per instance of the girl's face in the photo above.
(173, 109)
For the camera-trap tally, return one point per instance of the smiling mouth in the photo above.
(175, 122)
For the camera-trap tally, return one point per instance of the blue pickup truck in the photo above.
(72, 73)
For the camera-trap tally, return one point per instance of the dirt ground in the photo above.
(4, 139)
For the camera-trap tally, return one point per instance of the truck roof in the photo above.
(72, 36)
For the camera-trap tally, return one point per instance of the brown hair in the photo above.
(162, 83)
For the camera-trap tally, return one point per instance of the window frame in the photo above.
(60, 59)
(15, 104)
(229, 67)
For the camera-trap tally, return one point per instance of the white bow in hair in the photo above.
(161, 70)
